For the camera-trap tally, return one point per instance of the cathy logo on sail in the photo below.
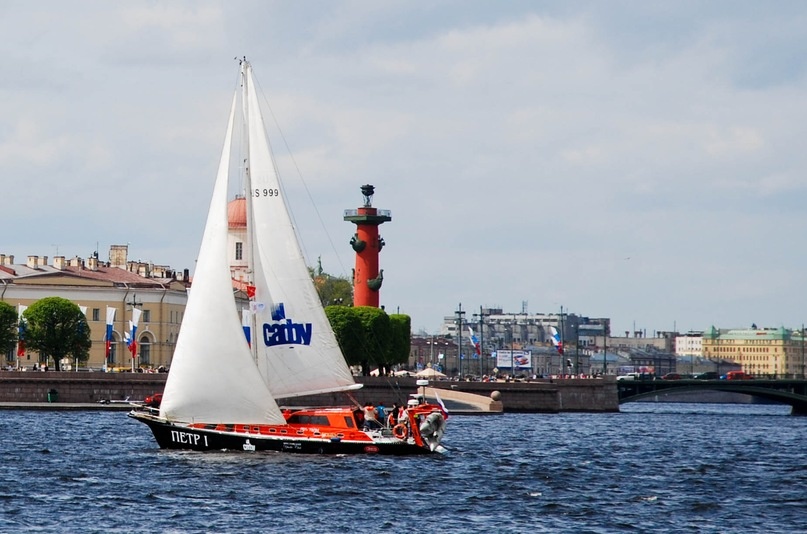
(285, 331)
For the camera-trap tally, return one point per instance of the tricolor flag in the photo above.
(556, 340)
(131, 339)
(475, 342)
(110, 321)
(442, 405)
(246, 322)
(21, 331)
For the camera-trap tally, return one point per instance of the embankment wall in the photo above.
(572, 395)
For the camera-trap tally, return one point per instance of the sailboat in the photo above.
(223, 386)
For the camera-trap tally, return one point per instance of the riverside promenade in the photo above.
(87, 390)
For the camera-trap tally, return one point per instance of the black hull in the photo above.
(173, 436)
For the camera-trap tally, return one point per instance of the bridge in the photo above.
(787, 391)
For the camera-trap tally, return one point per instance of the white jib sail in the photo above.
(213, 377)
(297, 351)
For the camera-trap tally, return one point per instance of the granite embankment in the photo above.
(541, 396)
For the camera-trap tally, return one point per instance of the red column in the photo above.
(367, 243)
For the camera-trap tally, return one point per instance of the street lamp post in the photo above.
(604, 351)
(562, 339)
(513, 348)
(134, 304)
(802, 351)
(577, 350)
(459, 313)
(482, 365)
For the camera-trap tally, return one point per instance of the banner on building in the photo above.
(520, 359)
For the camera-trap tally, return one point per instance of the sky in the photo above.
(642, 161)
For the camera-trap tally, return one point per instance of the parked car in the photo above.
(708, 375)
(671, 376)
(738, 375)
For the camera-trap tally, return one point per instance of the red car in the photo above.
(738, 375)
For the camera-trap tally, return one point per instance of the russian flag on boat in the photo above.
(442, 405)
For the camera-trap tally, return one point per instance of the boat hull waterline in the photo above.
(278, 438)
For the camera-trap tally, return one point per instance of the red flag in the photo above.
(251, 292)
(21, 337)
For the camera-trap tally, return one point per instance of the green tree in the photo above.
(331, 289)
(8, 327)
(375, 347)
(401, 326)
(56, 328)
(348, 330)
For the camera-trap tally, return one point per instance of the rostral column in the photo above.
(367, 278)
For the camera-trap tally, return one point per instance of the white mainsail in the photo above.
(297, 351)
(213, 377)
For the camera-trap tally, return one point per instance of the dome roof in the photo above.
(237, 213)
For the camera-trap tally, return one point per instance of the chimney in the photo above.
(92, 263)
(2, 259)
(75, 262)
(43, 261)
(59, 262)
(32, 261)
(10, 259)
(118, 255)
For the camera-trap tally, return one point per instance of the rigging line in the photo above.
(305, 186)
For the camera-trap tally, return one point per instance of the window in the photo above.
(145, 351)
(146, 316)
(96, 314)
(320, 420)
(239, 250)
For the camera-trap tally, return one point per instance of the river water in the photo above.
(653, 467)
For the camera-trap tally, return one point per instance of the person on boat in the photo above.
(381, 413)
(401, 428)
(392, 419)
(370, 417)
(403, 415)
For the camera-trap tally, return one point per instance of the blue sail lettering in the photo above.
(288, 333)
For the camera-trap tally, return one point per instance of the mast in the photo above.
(245, 67)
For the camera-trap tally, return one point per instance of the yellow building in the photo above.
(774, 352)
(93, 285)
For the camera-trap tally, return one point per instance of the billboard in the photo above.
(521, 359)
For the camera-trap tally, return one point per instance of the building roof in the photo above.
(237, 213)
(49, 275)
(746, 334)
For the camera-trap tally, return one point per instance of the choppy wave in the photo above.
(654, 467)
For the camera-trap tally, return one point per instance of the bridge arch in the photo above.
(791, 392)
